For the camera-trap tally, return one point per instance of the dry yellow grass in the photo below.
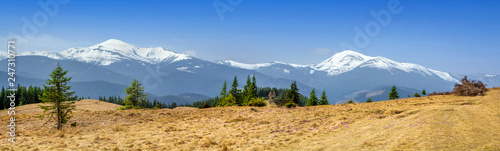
(428, 123)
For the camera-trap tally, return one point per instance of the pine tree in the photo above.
(416, 95)
(135, 94)
(223, 92)
(245, 93)
(250, 90)
(57, 93)
(313, 100)
(394, 93)
(324, 100)
(292, 96)
(423, 92)
(350, 101)
(253, 87)
(235, 92)
(23, 95)
(30, 96)
(369, 100)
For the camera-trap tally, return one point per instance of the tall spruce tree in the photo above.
(223, 92)
(135, 94)
(250, 90)
(394, 93)
(313, 100)
(245, 93)
(235, 92)
(323, 100)
(292, 96)
(254, 88)
(59, 97)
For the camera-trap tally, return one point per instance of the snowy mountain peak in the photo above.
(349, 54)
(342, 62)
(115, 43)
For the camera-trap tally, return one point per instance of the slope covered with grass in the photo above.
(427, 123)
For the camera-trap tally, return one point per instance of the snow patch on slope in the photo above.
(47, 54)
(185, 69)
(444, 75)
(286, 70)
(246, 66)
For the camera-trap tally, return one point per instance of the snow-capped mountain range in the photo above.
(112, 51)
(348, 60)
(345, 75)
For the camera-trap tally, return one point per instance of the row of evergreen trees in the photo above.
(146, 103)
(395, 95)
(237, 97)
(313, 100)
(24, 95)
(251, 95)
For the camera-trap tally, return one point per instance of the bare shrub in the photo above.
(469, 88)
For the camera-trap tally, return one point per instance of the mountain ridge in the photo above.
(112, 51)
(164, 72)
(348, 60)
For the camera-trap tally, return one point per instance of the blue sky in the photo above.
(442, 35)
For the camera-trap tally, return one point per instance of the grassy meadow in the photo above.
(425, 123)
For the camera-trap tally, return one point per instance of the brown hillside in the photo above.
(427, 123)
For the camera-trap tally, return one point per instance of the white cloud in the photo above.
(191, 53)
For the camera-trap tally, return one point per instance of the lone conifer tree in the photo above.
(57, 93)
(135, 94)
(324, 100)
(423, 92)
(292, 96)
(313, 100)
(394, 93)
